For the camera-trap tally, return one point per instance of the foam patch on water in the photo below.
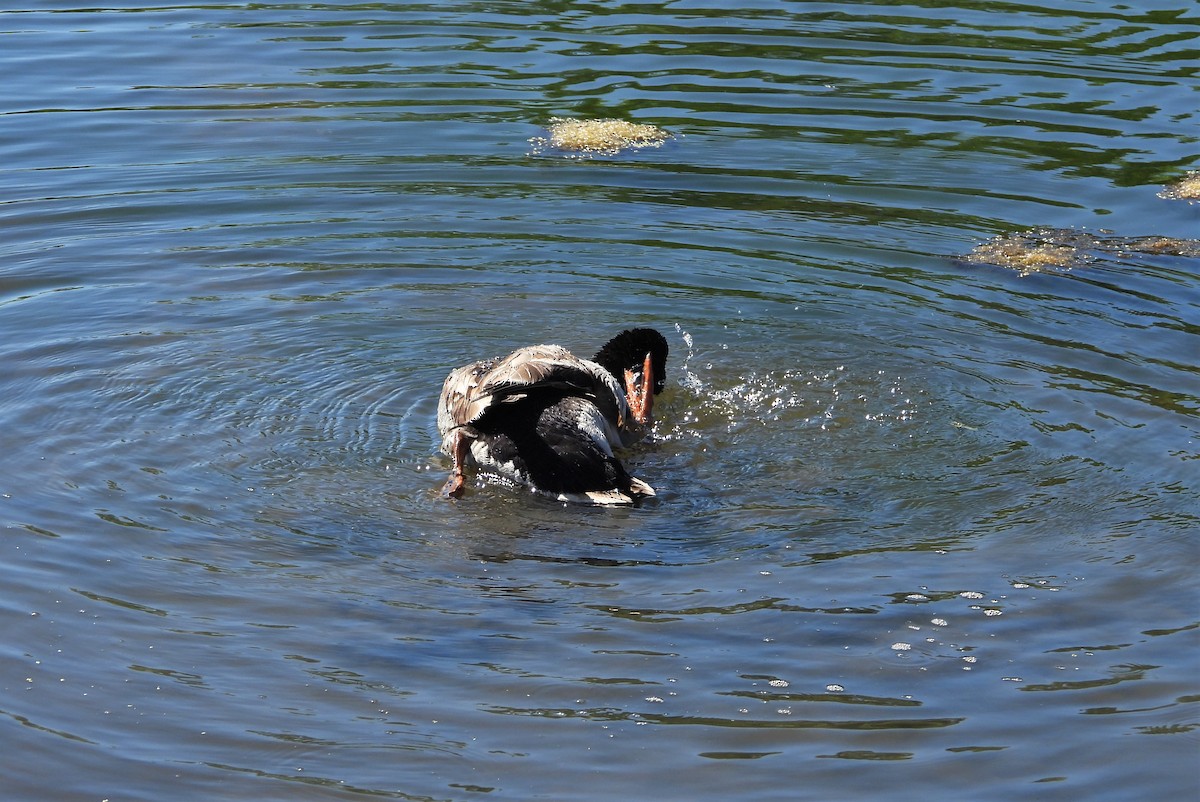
(1025, 253)
(1186, 188)
(604, 137)
(1049, 250)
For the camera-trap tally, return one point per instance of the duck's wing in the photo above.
(474, 390)
(542, 367)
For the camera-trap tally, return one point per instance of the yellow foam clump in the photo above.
(1171, 246)
(1024, 254)
(1186, 188)
(1054, 250)
(605, 137)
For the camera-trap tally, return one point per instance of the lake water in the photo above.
(925, 526)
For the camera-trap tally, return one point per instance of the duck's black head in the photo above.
(627, 352)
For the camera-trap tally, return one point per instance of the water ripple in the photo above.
(914, 509)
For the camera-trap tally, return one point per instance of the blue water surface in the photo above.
(925, 524)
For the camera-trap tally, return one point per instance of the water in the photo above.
(923, 524)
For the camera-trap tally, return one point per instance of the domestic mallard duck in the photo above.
(545, 418)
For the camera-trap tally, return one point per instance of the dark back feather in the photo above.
(538, 435)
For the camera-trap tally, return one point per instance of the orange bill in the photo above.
(640, 395)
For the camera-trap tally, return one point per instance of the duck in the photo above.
(549, 420)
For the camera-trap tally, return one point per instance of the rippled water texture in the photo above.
(926, 525)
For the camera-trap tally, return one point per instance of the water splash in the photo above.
(688, 379)
(823, 398)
